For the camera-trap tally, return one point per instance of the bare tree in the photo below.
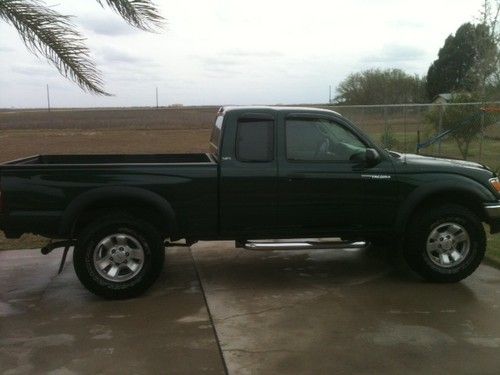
(488, 67)
(50, 34)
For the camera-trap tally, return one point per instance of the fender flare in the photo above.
(458, 185)
(83, 201)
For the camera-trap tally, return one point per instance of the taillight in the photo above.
(495, 182)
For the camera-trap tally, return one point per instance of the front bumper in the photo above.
(493, 213)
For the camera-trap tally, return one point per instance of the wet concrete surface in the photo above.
(346, 312)
(321, 312)
(51, 324)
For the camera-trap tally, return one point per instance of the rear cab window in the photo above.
(255, 139)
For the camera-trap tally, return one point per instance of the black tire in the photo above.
(420, 228)
(146, 236)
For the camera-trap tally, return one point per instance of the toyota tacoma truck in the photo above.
(272, 173)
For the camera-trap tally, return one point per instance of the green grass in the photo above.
(493, 249)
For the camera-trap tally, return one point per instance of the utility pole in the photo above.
(48, 98)
(330, 95)
(157, 98)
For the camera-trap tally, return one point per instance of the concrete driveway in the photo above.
(335, 311)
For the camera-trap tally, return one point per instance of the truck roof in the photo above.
(275, 108)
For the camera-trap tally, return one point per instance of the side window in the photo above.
(310, 139)
(255, 140)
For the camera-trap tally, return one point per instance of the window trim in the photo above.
(263, 117)
(309, 117)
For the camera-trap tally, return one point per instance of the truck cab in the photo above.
(300, 170)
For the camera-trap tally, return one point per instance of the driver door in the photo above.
(320, 189)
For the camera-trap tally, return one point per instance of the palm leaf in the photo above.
(52, 35)
(142, 14)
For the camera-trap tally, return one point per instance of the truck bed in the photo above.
(89, 159)
(39, 189)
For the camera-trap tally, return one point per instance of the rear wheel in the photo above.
(445, 244)
(119, 256)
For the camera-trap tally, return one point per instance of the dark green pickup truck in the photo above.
(273, 173)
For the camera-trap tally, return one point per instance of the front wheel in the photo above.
(445, 244)
(118, 256)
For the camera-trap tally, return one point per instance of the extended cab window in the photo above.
(254, 140)
(215, 136)
(318, 139)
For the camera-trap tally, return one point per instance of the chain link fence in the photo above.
(466, 130)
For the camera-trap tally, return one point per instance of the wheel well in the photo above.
(146, 212)
(459, 198)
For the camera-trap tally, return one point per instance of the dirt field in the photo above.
(20, 143)
(116, 118)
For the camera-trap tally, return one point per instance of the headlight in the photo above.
(495, 182)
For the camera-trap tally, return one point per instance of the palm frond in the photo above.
(52, 35)
(142, 14)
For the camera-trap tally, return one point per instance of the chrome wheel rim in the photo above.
(448, 245)
(118, 257)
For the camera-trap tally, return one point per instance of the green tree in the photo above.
(47, 33)
(465, 62)
(465, 121)
(375, 86)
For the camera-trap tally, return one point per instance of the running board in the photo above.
(300, 245)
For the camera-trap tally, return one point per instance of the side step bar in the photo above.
(187, 243)
(304, 244)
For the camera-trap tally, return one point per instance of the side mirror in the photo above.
(372, 157)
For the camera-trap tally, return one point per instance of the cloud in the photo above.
(252, 54)
(220, 65)
(395, 53)
(113, 55)
(29, 70)
(399, 24)
(109, 26)
(228, 63)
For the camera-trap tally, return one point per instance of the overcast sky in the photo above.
(235, 52)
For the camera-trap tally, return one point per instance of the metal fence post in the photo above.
(481, 135)
(404, 128)
(385, 127)
(440, 127)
